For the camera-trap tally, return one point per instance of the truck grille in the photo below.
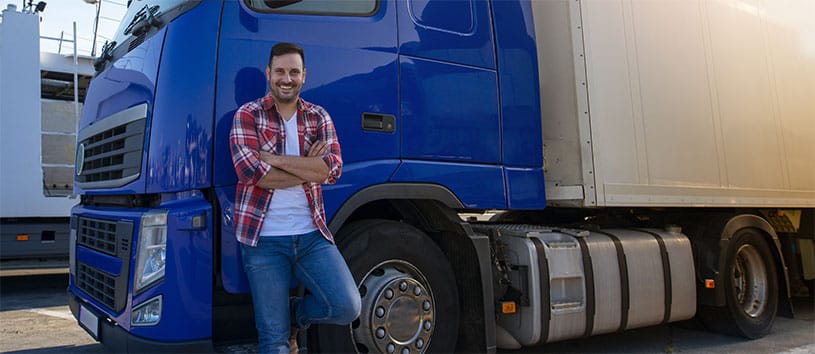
(98, 235)
(112, 238)
(109, 153)
(99, 285)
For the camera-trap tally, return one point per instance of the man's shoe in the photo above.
(293, 349)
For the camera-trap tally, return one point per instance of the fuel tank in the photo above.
(573, 283)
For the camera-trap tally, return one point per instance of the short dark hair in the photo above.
(286, 48)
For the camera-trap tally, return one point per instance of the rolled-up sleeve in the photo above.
(245, 148)
(333, 157)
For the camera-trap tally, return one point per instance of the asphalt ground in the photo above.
(34, 318)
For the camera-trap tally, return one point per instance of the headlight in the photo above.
(152, 249)
(148, 314)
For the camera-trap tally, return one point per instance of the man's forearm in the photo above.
(278, 179)
(311, 169)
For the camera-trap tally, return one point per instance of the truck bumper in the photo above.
(117, 340)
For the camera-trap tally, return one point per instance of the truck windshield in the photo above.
(141, 14)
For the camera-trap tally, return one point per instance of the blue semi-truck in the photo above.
(515, 172)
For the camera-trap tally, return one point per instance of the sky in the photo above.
(59, 16)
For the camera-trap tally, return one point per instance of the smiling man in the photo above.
(283, 149)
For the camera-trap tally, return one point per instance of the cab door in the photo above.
(351, 62)
(451, 131)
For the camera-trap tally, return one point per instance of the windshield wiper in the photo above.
(143, 21)
(107, 49)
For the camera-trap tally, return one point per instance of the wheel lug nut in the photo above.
(420, 343)
(405, 351)
(380, 333)
(427, 325)
(403, 286)
(380, 311)
(391, 348)
(426, 305)
(417, 291)
(389, 294)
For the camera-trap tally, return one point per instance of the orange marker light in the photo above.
(508, 307)
(710, 283)
(22, 237)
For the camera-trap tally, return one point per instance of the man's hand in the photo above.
(277, 178)
(309, 168)
(318, 149)
(270, 158)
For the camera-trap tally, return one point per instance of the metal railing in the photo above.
(76, 70)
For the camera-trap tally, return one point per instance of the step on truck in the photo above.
(515, 172)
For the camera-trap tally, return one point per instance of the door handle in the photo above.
(375, 122)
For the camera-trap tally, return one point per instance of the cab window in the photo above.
(316, 7)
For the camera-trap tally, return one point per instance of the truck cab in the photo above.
(155, 246)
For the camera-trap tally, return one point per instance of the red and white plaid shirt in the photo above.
(258, 127)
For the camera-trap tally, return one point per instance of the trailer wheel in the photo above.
(408, 290)
(751, 289)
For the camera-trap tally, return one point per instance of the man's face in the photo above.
(286, 75)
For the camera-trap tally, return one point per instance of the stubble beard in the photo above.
(279, 97)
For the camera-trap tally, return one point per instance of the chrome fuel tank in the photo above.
(577, 283)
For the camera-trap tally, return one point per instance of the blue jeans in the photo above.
(314, 262)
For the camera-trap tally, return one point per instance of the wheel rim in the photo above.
(750, 281)
(398, 310)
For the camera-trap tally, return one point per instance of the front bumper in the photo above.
(117, 340)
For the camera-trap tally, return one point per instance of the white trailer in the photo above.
(678, 103)
(38, 115)
(694, 118)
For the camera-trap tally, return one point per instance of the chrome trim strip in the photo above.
(109, 183)
(113, 121)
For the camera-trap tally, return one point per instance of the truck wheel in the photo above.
(408, 290)
(751, 289)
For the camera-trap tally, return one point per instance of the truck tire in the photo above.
(408, 290)
(751, 289)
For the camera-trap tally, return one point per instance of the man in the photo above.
(283, 148)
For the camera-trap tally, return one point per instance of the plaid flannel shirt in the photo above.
(258, 127)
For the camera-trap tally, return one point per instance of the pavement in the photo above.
(35, 319)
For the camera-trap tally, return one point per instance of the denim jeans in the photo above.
(316, 263)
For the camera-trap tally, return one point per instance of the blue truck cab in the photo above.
(429, 98)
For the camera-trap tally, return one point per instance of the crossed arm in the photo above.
(322, 162)
(289, 171)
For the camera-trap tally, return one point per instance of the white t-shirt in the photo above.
(289, 213)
